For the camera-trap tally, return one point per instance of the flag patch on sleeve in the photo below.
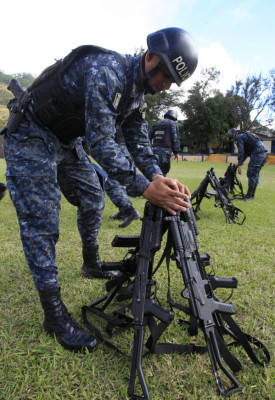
(116, 100)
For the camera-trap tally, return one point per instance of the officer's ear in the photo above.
(151, 61)
(148, 56)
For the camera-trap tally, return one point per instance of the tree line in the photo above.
(206, 113)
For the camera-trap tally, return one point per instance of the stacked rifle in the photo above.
(224, 190)
(231, 184)
(136, 288)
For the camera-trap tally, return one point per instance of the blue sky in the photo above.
(236, 36)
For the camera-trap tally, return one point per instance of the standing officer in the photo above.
(118, 193)
(86, 94)
(249, 145)
(164, 136)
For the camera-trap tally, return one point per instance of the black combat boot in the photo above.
(118, 215)
(58, 321)
(250, 193)
(3, 189)
(131, 214)
(92, 266)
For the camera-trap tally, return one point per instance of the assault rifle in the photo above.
(18, 105)
(143, 311)
(221, 198)
(231, 184)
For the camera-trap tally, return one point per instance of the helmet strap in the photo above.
(149, 75)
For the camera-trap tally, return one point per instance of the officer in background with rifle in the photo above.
(164, 136)
(249, 145)
(87, 93)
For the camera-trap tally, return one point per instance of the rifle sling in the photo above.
(169, 348)
(97, 332)
(244, 339)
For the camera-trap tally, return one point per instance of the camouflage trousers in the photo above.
(39, 169)
(117, 194)
(164, 158)
(257, 161)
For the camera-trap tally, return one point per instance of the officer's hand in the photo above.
(239, 170)
(177, 157)
(168, 193)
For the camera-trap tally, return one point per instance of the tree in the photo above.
(254, 98)
(209, 113)
(200, 125)
(216, 124)
(159, 103)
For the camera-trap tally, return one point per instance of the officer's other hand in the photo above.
(176, 157)
(168, 193)
(239, 170)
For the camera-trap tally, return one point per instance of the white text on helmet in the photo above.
(181, 68)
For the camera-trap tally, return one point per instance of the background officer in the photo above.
(249, 145)
(87, 93)
(164, 137)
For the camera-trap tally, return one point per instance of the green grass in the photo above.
(34, 366)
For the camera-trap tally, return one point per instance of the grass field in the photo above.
(34, 366)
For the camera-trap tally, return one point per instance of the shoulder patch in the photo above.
(116, 99)
(142, 107)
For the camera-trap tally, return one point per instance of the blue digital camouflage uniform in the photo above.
(40, 167)
(116, 192)
(164, 152)
(247, 147)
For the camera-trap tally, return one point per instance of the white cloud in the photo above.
(215, 55)
(34, 38)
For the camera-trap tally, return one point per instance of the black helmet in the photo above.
(171, 114)
(177, 50)
(231, 133)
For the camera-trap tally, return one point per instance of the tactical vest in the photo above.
(162, 135)
(53, 106)
(253, 137)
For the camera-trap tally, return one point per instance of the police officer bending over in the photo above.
(249, 145)
(164, 136)
(87, 94)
